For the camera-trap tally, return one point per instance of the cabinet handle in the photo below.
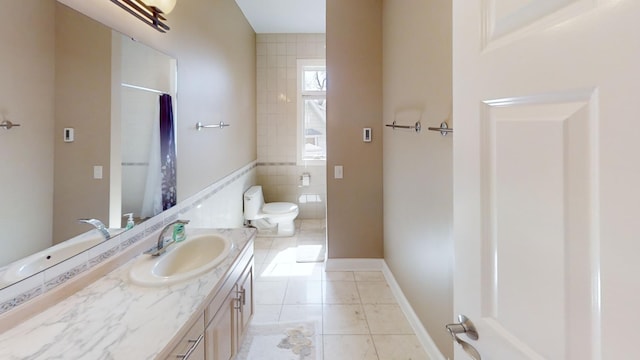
(240, 299)
(192, 348)
(243, 296)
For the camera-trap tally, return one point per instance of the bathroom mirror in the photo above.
(85, 97)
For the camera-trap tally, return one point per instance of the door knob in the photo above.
(465, 326)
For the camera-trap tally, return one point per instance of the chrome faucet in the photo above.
(161, 248)
(98, 225)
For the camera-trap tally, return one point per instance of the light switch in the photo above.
(366, 134)
(97, 172)
(68, 135)
(337, 172)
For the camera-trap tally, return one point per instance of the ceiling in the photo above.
(285, 16)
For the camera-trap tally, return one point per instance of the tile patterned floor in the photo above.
(357, 315)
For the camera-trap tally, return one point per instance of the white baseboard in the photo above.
(380, 265)
(354, 265)
(422, 334)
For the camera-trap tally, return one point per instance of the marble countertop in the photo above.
(115, 319)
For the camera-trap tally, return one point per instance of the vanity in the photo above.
(205, 317)
(219, 330)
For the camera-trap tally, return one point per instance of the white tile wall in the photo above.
(278, 173)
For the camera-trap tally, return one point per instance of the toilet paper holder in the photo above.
(305, 179)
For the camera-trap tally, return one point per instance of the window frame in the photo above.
(302, 95)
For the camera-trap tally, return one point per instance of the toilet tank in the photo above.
(253, 201)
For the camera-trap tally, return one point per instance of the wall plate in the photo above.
(366, 134)
(68, 135)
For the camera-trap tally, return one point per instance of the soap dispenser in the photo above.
(130, 222)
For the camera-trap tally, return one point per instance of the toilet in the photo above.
(272, 219)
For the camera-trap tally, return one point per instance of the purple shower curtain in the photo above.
(167, 152)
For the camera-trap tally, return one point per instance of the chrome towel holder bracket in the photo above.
(200, 126)
(444, 128)
(6, 124)
(417, 127)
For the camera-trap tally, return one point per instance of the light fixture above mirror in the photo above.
(164, 6)
(151, 12)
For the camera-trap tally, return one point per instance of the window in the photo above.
(312, 112)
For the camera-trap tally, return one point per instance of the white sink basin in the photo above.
(44, 259)
(196, 255)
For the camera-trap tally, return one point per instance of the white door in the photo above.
(547, 177)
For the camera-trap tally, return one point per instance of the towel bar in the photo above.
(200, 126)
(394, 126)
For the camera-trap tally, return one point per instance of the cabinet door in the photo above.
(191, 346)
(198, 352)
(220, 335)
(245, 287)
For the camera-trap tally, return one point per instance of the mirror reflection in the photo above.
(96, 137)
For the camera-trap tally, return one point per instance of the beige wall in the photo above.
(215, 49)
(83, 102)
(354, 101)
(418, 177)
(26, 98)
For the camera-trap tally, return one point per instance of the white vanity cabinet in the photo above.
(220, 335)
(247, 305)
(191, 346)
(229, 319)
(219, 331)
